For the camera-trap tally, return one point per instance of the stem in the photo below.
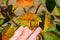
(30, 8)
(57, 22)
(24, 10)
(11, 19)
(37, 8)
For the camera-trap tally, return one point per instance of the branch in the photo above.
(37, 8)
(57, 22)
(24, 10)
(30, 8)
(11, 19)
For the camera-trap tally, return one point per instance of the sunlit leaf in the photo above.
(28, 18)
(43, 2)
(57, 2)
(23, 3)
(7, 31)
(1, 21)
(1, 16)
(56, 11)
(4, 1)
(47, 22)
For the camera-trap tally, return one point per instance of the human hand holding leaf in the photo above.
(25, 34)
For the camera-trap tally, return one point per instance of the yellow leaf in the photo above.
(1, 16)
(56, 11)
(29, 20)
(23, 3)
(8, 33)
(47, 22)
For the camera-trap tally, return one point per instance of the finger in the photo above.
(35, 34)
(26, 33)
(17, 33)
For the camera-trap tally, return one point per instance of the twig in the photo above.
(37, 8)
(12, 19)
(24, 10)
(30, 8)
(57, 22)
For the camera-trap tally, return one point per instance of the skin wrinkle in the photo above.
(21, 29)
(35, 33)
(27, 32)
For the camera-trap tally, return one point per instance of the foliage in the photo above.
(47, 19)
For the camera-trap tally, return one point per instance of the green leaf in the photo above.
(6, 20)
(6, 28)
(57, 2)
(50, 4)
(42, 16)
(43, 2)
(10, 10)
(54, 29)
(58, 27)
(51, 36)
(4, 1)
(56, 11)
(1, 21)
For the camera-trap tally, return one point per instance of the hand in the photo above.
(26, 34)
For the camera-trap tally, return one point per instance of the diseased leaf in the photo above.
(50, 4)
(28, 19)
(7, 31)
(57, 2)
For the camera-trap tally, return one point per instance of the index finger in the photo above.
(35, 33)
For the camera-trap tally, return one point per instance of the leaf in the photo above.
(58, 27)
(47, 22)
(5, 28)
(50, 4)
(4, 1)
(28, 19)
(6, 20)
(7, 31)
(10, 10)
(1, 21)
(43, 2)
(1, 16)
(50, 36)
(56, 11)
(53, 28)
(57, 2)
(42, 16)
